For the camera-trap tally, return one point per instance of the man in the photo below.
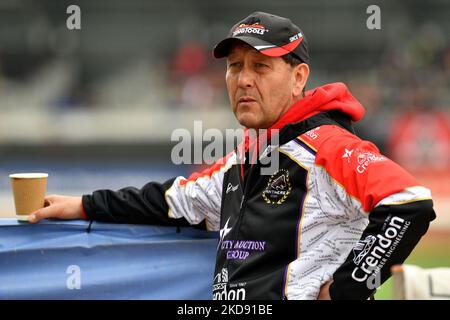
(329, 223)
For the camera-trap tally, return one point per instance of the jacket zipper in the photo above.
(244, 187)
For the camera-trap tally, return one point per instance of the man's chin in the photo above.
(249, 122)
(252, 123)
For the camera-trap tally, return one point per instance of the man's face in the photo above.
(260, 87)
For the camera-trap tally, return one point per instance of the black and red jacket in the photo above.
(334, 209)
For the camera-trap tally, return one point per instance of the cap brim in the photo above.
(222, 49)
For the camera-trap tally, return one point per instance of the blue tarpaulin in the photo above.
(62, 260)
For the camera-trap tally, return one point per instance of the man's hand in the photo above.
(59, 207)
(324, 293)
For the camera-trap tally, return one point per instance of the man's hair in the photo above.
(293, 61)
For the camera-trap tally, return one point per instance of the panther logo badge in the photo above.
(278, 188)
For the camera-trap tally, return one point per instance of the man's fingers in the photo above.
(49, 200)
(44, 213)
(58, 207)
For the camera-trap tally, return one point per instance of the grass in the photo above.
(432, 251)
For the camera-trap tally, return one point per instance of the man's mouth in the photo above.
(246, 99)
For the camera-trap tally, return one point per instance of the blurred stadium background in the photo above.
(95, 108)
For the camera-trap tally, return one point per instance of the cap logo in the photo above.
(250, 28)
(295, 37)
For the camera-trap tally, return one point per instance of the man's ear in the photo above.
(301, 74)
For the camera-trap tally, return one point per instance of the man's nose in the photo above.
(246, 78)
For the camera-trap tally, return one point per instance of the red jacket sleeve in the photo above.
(357, 165)
(400, 209)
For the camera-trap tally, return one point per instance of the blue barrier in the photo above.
(62, 260)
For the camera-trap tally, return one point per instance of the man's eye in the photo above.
(261, 65)
(234, 65)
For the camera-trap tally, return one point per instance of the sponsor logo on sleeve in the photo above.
(347, 154)
(362, 248)
(363, 158)
(372, 253)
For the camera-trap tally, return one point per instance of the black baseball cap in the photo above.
(272, 35)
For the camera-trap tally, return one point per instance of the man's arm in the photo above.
(128, 205)
(131, 205)
(398, 209)
(178, 201)
(390, 237)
